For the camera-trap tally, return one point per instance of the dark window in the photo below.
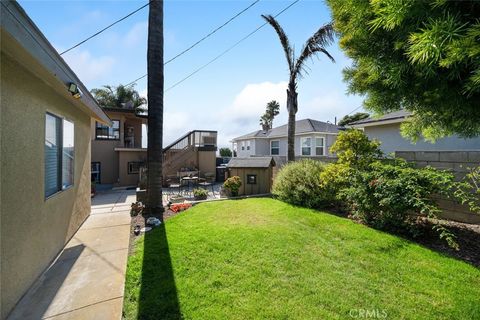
(103, 132)
(251, 179)
(134, 167)
(59, 154)
(275, 147)
(96, 172)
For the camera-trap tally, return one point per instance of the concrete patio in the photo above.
(87, 279)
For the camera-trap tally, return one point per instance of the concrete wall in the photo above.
(35, 229)
(391, 139)
(458, 162)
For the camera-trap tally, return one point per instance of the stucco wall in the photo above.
(103, 152)
(33, 229)
(207, 162)
(126, 179)
(389, 136)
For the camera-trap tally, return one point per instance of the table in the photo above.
(190, 181)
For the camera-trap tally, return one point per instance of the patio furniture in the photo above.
(175, 183)
(207, 181)
(190, 182)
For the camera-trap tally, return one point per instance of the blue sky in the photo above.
(230, 94)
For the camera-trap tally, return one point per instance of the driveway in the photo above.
(87, 279)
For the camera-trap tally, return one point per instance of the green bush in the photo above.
(354, 149)
(233, 184)
(200, 193)
(390, 196)
(300, 183)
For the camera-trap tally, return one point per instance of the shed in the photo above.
(255, 173)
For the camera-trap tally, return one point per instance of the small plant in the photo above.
(200, 194)
(136, 208)
(233, 184)
(468, 191)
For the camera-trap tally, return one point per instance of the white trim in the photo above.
(275, 148)
(377, 123)
(302, 139)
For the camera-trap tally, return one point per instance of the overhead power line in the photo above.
(104, 29)
(201, 40)
(229, 49)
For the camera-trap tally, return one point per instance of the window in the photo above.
(251, 179)
(59, 154)
(319, 146)
(134, 167)
(96, 170)
(274, 147)
(243, 145)
(306, 146)
(103, 132)
(248, 145)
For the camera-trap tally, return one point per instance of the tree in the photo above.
(119, 97)
(315, 44)
(272, 110)
(225, 152)
(421, 56)
(354, 117)
(155, 107)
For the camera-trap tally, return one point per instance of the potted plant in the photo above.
(200, 194)
(233, 184)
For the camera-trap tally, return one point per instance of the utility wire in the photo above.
(107, 27)
(201, 40)
(229, 49)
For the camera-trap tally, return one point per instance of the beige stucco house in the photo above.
(117, 152)
(45, 153)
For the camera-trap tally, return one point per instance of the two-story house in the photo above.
(118, 155)
(312, 139)
(117, 152)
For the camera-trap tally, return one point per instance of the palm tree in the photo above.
(155, 107)
(314, 45)
(272, 110)
(119, 97)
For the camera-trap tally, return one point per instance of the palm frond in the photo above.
(314, 45)
(287, 48)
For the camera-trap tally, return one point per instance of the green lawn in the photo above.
(261, 258)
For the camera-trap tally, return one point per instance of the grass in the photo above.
(261, 258)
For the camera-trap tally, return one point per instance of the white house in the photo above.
(312, 139)
(386, 129)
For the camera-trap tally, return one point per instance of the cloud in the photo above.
(137, 34)
(87, 67)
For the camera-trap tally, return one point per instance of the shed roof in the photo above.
(252, 162)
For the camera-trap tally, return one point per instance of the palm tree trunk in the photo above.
(292, 111)
(155, 107)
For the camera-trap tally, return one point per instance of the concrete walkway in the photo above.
(87, 279)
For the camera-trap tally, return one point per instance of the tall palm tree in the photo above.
(155, 107)
(314, 45)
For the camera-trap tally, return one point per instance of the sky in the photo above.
(230, 94)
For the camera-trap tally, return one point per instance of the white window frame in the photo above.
(248, 144)
(271, 148)
(302, 139)
(322, 146)
(243, 145)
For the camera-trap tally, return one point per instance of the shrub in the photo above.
(300, 183)
(468, 191)
(334, 178)
(200, 193)
(233, 184)
(389, 194)
(353, 148)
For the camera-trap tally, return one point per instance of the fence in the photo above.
(458, 162)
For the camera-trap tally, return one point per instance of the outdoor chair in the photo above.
(175, 185)
(207, 181)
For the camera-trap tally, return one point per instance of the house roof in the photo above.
(25, 43)
(301, 126)
(397, 116)
(251, 162)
